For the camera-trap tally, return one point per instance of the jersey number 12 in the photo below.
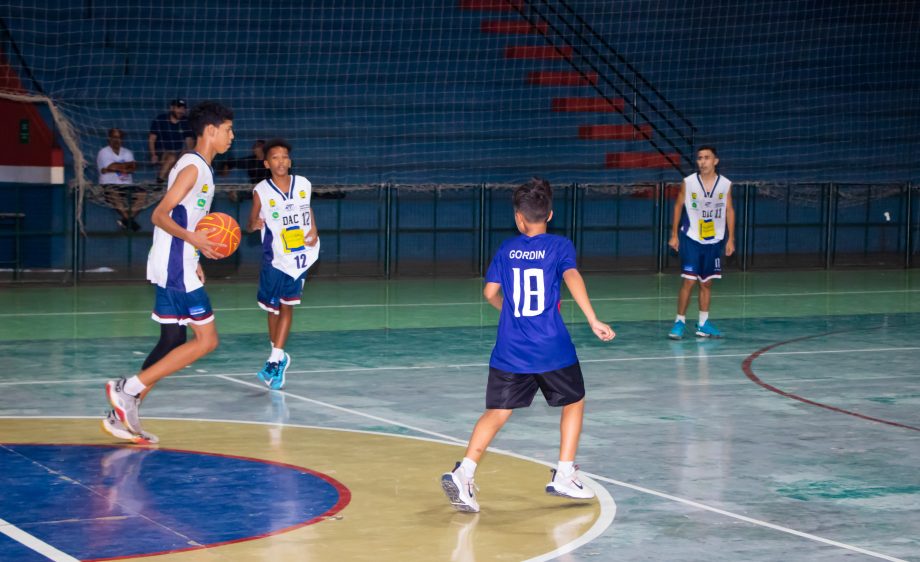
(531, 288)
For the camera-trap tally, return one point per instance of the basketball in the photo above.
(225, 230)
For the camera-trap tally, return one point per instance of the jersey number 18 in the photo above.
(531, 286)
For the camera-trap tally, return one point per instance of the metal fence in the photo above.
(390, 230)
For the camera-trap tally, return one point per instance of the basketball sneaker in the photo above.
(677, 332)
(267, 373)
(568, 486)
(707, 330)
(113, 426)
(460, 490)
(125, 405)
(278, 377)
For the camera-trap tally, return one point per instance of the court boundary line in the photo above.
(181, 375)
(34, 543)
(608, 506)
(746, 368)
(480, 303)
(595, 476)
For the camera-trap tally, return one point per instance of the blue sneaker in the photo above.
(277, 382)
(707, 330)
(267, 372)
(677, 332)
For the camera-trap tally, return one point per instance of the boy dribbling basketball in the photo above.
(173, 267)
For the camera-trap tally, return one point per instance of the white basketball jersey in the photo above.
(706, 209)
(287, 221)
(173, 262)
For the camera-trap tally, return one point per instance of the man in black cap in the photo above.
(170, 134)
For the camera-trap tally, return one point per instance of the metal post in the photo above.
(573, 201)
(830, 225)
(745, 227)
(482, 229)
(908, 247)
(387, 222)
(75, 232)
(661, 201)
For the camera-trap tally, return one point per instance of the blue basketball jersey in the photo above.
(532, 338)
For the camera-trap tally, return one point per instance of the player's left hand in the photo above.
(311, 238)
(602, 331)
(729, 247)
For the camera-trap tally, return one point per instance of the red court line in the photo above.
(746, 366)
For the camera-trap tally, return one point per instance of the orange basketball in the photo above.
(225, 230)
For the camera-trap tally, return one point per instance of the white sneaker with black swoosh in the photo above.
(568, 486)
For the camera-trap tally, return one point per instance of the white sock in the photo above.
(468, 466)
(134, 386)
(681, 318)
(565, 468)
(276, 356)
(704, 316)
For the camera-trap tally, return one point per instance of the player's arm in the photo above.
(674, 242)
(255, 221)
(729, 224)
(493, 293)
(312, 236)
(174, 195)
(576, 285)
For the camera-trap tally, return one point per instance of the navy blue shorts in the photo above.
(179, 307)
(700, 261)
(277, 288)
(561, 387)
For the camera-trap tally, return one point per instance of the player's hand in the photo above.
(674, 243)
(729, 247)
(311, 238)
(205, 245)
(602, 331)
(257, 224)
(200, 273)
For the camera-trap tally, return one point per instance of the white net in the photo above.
(425, 91)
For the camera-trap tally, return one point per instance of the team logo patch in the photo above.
(721, 195)
(694, 205)
(271, 203)
(275, 215)
(303, 194)
(202, 203)
(693, 195)
(204, 188)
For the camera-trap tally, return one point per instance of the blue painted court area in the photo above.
(98, 502)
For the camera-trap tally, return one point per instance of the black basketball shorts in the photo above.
(561, 387)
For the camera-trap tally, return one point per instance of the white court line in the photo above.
(102, 379)
(599, 477)
(33, 543)
(476, 303)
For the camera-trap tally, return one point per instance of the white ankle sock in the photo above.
(134, 386)
(681, 318)
(565, 468)
(704, 316)
(276, 356)
(468, 466)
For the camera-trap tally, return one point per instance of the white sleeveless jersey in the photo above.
(173, 262)
(706, 210)
(287, 222)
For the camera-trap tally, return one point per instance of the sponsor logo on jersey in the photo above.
(694, 205)
(721, 195)
(204, 188)
(271, 203)
(202, 203)
(693, 195)
(275, 215)
(289, 207)
(303, 194)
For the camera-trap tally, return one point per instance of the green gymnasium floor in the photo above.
(796, 437)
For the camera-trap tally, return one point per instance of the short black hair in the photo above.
(275, 143)
(710, 148)
(208, 113)
(534, 200)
